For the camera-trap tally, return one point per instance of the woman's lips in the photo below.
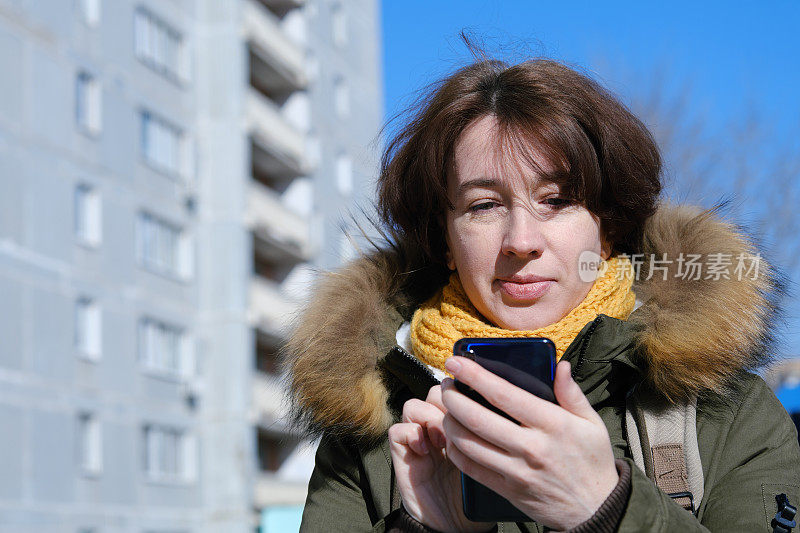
(530, 290)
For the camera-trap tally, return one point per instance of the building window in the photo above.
(163, 247)
(90, 444)
(88, 105)
(344, 174)
(88, 215)
(90, 12)
(165, 348)
(160, 46)
(338, 25)
(170, 454)
(88, 328)
(341, 97)
(163, 144)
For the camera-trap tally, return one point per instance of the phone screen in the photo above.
(528, 363)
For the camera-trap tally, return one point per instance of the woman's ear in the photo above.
(451, 264)
(606, 248)
(605, 252)
(448, 255)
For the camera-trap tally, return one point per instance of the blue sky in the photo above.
(735, 57)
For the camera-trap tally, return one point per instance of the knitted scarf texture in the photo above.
(449, 315)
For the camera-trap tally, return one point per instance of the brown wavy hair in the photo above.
(601, 154)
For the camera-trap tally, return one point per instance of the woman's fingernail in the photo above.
(452, 365)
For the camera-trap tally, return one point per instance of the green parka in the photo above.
(689, 338)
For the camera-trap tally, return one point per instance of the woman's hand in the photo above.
(429, 484)
(557, 467)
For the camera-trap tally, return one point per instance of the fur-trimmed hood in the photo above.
(694, 333)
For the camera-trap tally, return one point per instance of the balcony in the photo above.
(280, 147)
(285, 463)
(276, 62)
(282, 235)
(270, 310)
(271, 490)
(268, 407)
(281, 7)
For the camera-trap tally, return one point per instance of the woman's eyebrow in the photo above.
(478, 183)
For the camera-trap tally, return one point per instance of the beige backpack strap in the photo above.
(663, 442)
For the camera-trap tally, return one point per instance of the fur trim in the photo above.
(695, 335)
(332, 356)
(698, 334)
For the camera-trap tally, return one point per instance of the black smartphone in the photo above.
(528, 363)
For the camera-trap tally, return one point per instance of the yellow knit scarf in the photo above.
(449, 315)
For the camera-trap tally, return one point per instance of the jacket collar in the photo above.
(688, 336)
(602, 358)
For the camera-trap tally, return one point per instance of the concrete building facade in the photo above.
(171, 173)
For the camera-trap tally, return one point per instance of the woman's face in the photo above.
(514, 239)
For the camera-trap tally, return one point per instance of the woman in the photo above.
(498, 191)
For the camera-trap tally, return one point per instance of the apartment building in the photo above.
(171, 174)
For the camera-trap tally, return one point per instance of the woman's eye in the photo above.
(483, 206)
(558, 202)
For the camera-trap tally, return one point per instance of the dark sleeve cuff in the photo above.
(607, 518)
(399, 521)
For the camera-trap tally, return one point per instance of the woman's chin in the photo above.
(518, 320)
(514, 314)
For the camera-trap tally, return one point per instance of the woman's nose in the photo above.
(523, 235)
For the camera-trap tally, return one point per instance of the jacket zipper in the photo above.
(416, 362)
(585, 344)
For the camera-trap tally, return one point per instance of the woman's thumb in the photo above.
(569, 395)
